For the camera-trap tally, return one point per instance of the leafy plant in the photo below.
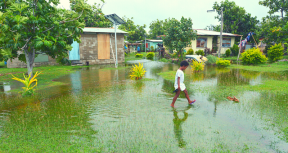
(164, 60)
(200, 52)
(190, 52)
(211, 59)
(28, 89)
(126, 54)
(235, 50)
(152, 49)
(197, 66)
(275, 52)
(228, 52)
(137, 71)
(139, 55)
(150, 55)
(253, 56)
(222, 63)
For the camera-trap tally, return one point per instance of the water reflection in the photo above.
(178, 126)
(5, 87)
(76, 81)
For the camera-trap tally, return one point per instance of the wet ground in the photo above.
(106, 111)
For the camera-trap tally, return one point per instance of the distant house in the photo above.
(151, 42)
(211, 39)
(96, 47)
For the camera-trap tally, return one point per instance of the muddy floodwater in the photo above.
(102, 110)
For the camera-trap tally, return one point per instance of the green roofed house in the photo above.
(97, 47)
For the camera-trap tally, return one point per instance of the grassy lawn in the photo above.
(2, 65)
(231, 58)
(274, 67)
(131, 56)
(45, 79)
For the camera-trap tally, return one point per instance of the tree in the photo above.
(96, 18)
(156, 29)
(179, 34)
(213, 28)
(276, 6)
(31, 26)
(135, 32)
(236, 19)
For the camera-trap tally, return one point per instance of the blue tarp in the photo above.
(74, 54)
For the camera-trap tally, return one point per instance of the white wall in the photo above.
(223, 49)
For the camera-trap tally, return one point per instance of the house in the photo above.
(97, 47)
(211, 39)
(151, 42)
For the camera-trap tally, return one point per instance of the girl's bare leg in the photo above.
(175, 98)
(187, 96)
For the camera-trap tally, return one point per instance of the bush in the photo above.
(253, 56)
(190, 52)
(150, 55)
(139, 55)
(152, 49)
(211, 59)
(137, 71)
(235, 50)
(200, 52)
(164, 60)
(174, 55)
(126, 54)
(275, 52)
(228, 52)
(222, 63)
(197, 66)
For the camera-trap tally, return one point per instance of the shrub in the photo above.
(197, 66)
(174, 55)
(228, 52)
(137, 71)
(253, 56)
(152, 49)
(28, 89)
(200, 52)
(150, 55)
(235, 50)
(222, 63)
(164, 60)
(275, 52)
(190, 52)
(126, 54)
(211, 59)
(139, 55)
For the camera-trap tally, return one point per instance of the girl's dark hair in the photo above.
(184, 63)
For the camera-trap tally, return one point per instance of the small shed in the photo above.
(97, 47)
(151, 42)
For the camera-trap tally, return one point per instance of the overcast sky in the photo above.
(146, 11)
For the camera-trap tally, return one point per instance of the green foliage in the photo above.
(174, 55)
(135, 32)
(275, 6)
(235, 50)
(222, 63)
(28, 90)
(179, 34)
(253, 56)
(200, 52)
(227, 52)
(44, 28)
(152, 49)
(137, 71)
(150, 55)
(275, 52)
(139, 55)
(164, 60)
(156, 29)
(197, 66)
(96, 18)
(190, 52)
(236, 19)
(211, 59)
(126, 54)
(213, 28)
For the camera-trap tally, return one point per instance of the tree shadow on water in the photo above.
(178, 126)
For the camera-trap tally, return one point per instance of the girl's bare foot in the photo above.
(172, 105)
(191, 102)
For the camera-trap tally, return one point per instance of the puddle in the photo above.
(103, 108)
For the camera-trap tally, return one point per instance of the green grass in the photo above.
(45, 79)
(2, 65)
(274, 67)
(233, 58)
(131, 56)
(165, 60)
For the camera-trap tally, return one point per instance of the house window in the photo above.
(226, 42)
(202, 42)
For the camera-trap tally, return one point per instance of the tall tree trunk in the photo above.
(30, 56)
(282, 14)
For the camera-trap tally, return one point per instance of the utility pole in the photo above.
(145, 46)
(221, 39)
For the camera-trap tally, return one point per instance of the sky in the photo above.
(146, 11)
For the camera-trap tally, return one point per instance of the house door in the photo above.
(74, 54)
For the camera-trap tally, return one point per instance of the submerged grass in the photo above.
(131, 56)
(274, 67)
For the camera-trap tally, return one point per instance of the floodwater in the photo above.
(104, 109)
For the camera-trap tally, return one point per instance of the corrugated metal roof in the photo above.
(201, 32)
(154, 40)
(102, 30)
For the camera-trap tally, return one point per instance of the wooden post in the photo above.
(255, 42)
(240, 48)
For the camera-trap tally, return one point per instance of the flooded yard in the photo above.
(102, 110)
